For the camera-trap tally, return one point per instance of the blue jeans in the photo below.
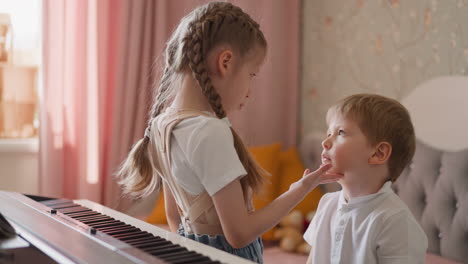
(253, 251)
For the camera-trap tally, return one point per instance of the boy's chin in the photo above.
(335, 170)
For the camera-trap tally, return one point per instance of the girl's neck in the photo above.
(190, 96)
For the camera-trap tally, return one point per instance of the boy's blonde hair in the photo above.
(382, 119)
(198, 33)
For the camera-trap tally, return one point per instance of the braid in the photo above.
(163, 90)
(195, 47)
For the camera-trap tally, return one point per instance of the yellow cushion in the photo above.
(158, 215)
(291, 169)
(268, 157)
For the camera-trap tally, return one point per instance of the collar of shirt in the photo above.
(359, 201)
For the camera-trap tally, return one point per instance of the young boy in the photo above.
(370, 140)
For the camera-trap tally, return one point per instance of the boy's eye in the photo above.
(341, 132)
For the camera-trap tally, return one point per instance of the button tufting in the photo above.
(337, 237)
(440, 235)
(457, 205)
(411, 166)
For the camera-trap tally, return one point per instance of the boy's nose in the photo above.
(326, 144)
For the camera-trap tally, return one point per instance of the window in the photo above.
(20, 62)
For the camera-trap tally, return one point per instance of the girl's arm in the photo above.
(241, 227)
(172, 214)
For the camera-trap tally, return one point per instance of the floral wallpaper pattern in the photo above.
(379, 46)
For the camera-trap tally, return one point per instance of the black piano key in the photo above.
(89, 217)
(88, 211)
(195, 260)
(75, 211)
(120, 231)
(125, 234)
(96, 221)
(112, 228)
(128, 236)
(174, 250)
(208, 261)
(90, 220)
(162, 249)
(186, 259)
(93, 217)
(186, 254)
(149, 245)
(69, 210)
(119, 228)
(143, 241)
(111, 223)
(81, 214)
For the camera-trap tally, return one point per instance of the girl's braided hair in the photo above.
(203, 29)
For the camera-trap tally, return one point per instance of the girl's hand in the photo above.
(311, 180)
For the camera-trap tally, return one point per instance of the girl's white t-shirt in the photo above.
(203, 155)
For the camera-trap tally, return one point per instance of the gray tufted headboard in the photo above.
(435, 188)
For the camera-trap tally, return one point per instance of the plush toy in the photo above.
(291, 230)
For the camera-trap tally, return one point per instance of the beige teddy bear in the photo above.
(291, 231)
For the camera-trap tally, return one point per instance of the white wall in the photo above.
(19, 165)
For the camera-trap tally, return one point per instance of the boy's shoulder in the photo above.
(392, 206)
(328, 200)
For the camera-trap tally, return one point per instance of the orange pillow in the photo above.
(267, 157)
(158, 215)
(291, 169)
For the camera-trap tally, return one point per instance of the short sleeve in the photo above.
(401, 240)
(213, 157)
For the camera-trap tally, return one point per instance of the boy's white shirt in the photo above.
(377, 228)
(203, 155)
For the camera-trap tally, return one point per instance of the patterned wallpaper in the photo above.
(380, 46)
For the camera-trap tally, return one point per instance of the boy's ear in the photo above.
(382, 152)
(224, 62)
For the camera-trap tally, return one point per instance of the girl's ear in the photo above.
(381, 154)
(224, 62)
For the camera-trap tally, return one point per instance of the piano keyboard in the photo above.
(82, 231)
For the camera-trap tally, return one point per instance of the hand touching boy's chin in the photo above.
(334, 169)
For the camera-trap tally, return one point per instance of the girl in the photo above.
(207, 174)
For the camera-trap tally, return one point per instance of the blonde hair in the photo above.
(203, 29)
(382, 119)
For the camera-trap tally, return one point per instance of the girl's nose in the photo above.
(326, 144)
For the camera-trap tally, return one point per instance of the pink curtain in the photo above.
(80, 41)
(98, 61)
(272, 113)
